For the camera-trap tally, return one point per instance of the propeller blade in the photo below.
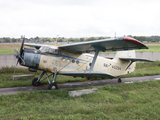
(21, 50)
(22, 60)
(16, 52)
(19, 57)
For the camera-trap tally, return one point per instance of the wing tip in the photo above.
(135, 41)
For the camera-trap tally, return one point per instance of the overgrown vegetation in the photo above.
(146, 68)
(142, 69)
(139, 100)
(125, 101)
(6, 81)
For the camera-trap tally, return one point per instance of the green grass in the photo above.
(8, 48)
(122, 102)
(139, 100)
(142, 69)
(6, 80)
(146, 68)
(151, 49)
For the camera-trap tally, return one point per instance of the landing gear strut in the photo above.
(52, 85)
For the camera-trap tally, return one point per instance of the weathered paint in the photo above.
(31, 60)
(80, 62)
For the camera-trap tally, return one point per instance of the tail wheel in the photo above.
(119, 80)
(35, 83)
(52, 86)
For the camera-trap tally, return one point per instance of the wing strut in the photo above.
(97, 49)
(130, 64)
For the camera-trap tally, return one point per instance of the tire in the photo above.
(119, 80)
(35, 83)
(52, 86)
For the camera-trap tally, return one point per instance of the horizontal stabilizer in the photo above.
(137, 59)
(89, 74)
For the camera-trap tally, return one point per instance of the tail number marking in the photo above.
(116, 67)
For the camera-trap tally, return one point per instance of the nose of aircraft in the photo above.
(19, 56)
(26, 58)
(31, 60)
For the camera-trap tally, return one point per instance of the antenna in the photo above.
(115, 34)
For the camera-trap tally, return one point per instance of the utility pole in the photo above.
(56, 38)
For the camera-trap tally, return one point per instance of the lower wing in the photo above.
(87, 74)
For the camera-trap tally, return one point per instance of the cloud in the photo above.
(72, 18)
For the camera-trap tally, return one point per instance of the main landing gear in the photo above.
(52, 85)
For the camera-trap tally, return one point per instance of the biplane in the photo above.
(76, 59)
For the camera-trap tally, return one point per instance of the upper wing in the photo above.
(37, 46)
(115, 44)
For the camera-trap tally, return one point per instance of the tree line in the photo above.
(83, 39)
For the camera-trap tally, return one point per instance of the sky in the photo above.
(79, 18)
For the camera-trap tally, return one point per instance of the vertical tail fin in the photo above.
(125, 54)
(127, 65)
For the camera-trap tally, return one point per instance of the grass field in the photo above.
(122, 102)
(139, 100)
(6, 81)
(142, 69)
(151, 49)
(8, 48)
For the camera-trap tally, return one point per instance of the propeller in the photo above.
(21, 50)
(19, 56)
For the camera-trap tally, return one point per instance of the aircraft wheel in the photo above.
(119, 80)
(52, 86)
(34, 82)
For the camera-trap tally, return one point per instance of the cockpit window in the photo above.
(52, 50)
(46, 49)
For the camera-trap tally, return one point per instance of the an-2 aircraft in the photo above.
(75, 60)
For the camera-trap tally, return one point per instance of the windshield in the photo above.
(46, 49)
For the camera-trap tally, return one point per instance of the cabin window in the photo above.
(49, 50)
(46, 49)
